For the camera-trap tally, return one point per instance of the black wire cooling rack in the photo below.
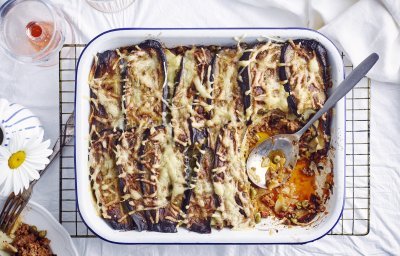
(355, 220)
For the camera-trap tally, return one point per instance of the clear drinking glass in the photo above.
(32, 31)
(110, 5)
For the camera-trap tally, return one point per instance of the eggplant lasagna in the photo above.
(171, 128)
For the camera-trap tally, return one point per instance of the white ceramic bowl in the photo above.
(35, 214)
(224, 36)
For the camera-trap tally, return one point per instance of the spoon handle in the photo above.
(351, 80)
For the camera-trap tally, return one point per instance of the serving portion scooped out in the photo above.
(283, 149)
(171, 128)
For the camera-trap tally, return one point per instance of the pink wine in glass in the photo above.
(32, 31)
(39, 34)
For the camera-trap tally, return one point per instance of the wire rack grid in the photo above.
(355, 220)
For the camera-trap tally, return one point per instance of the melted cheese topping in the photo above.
(152, 172)
(158, 173)
(104, 179)
(172, 162)
(201, 205)
(305, 78)
(199, 89)
(143, 88)
(227, 106)
(267, 91)
(182, 101)
(174, 65)
(227, 126)
(129, 173)
(107, 89)
(202, 86)
(231, 184)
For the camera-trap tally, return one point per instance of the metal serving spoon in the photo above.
(288, 144)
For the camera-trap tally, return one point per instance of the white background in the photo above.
(37, 88)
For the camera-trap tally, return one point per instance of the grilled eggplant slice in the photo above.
(228, 99)
(146, 84)
(195, 64)
(173, 163)
(174, 63)
(283, 77)
(321, 54)
(183, 95)
(202, 88)
(227, 125)
(150, 160)
(153, 44)
(244, 83)
(190, 107)
(105, 82)
(230, 182)
(104, 181)
(267, 91)
(201, 195)
(151, 179)
(304, 72)
(129, 176)
(174, 151)
(155, 181)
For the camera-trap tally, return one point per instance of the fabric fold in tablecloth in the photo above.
(366, 27)
(357, 28)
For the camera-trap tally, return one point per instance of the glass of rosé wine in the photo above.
(32, 31)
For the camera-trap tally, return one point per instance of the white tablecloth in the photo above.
(37, 88)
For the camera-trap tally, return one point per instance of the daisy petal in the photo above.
(38, 160)
(46, 144)
(33, 146)
(24, 176)
(39, 150)
(35, 166)
(17, 182)
(30, 173)
(7, 186)
(29, 165)
(33, 174)
(4, 173)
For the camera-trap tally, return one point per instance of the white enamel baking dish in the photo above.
(172, 37)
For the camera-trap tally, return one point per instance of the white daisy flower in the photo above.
(21, 161)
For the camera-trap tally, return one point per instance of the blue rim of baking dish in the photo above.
(212, 28)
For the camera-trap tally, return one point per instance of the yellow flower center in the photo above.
(16, 159)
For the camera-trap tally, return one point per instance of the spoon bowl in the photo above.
(287, 144)
(261, 161)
